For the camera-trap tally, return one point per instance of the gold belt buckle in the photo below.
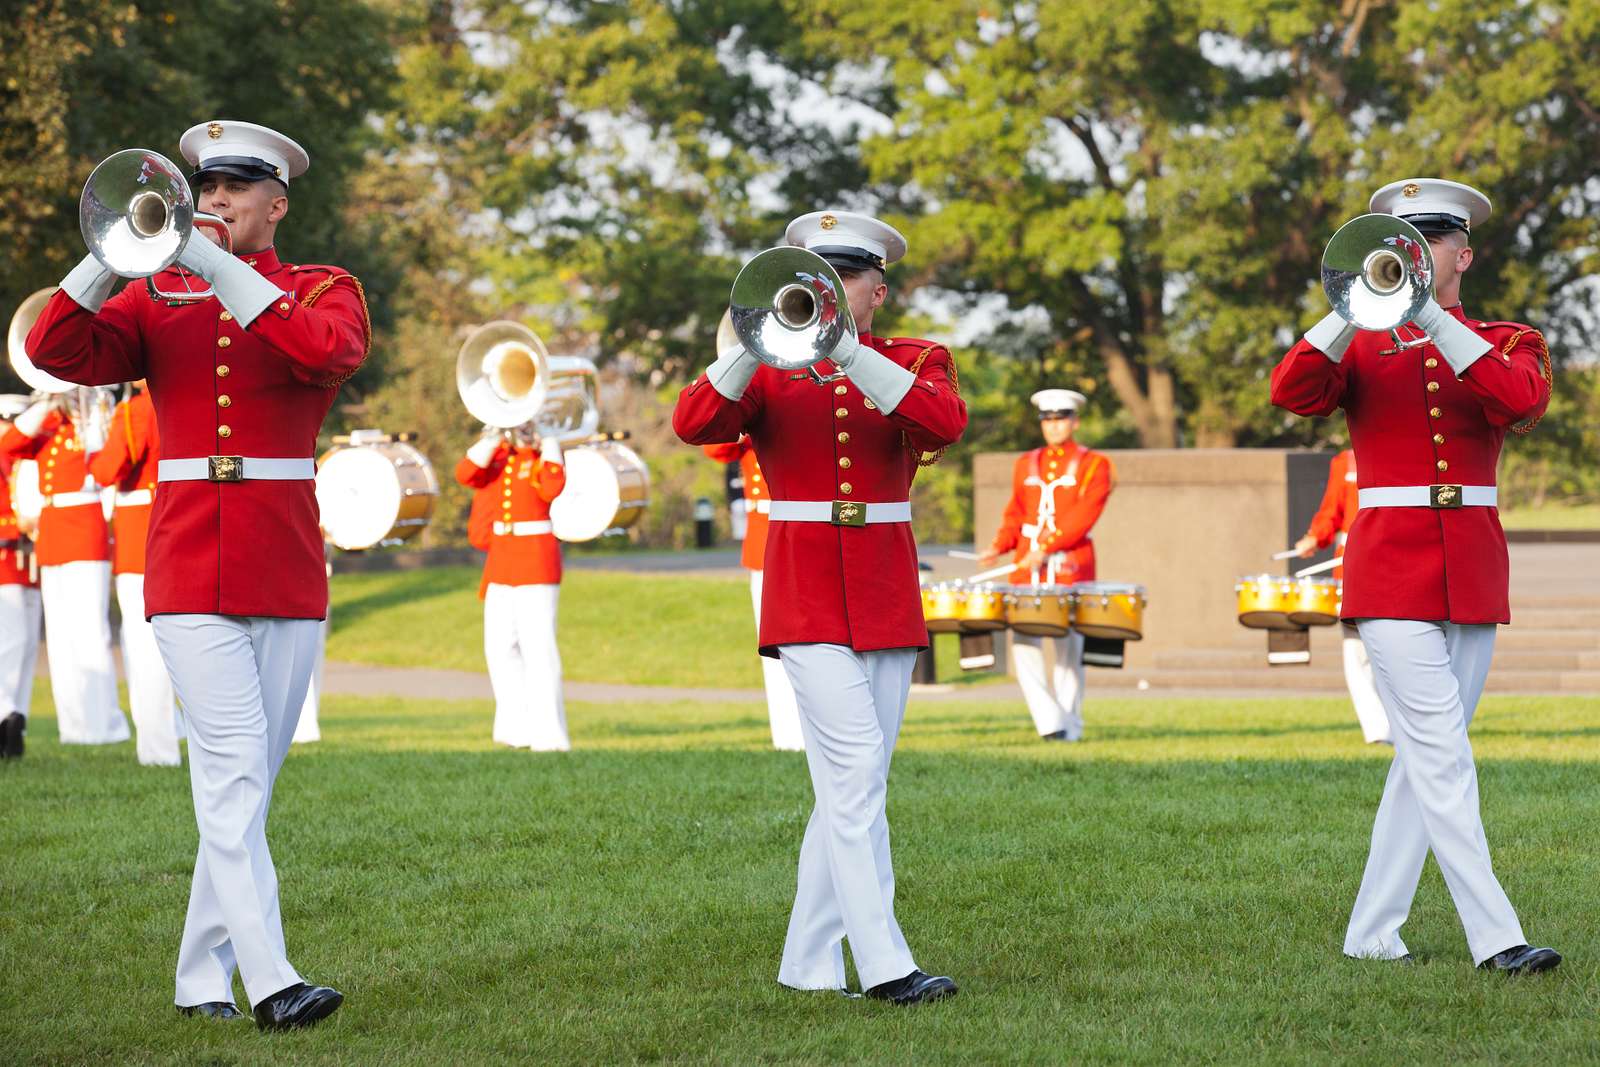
(225, 468)
(1444, 496)
(849, 513)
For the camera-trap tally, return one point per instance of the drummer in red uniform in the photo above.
(1331, 526)
(1057, 494)
(841, 605)
(235, 587)
(1428, 572)
(782, 712)
(73, 550)
(20, 615)
(517, 480)
(128, 462)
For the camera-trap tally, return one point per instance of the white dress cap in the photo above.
(244, 150)
(1433, 205)
(847, 239)
(1054, 403)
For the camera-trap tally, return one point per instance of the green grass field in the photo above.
(1553, 517)
(1173, 889)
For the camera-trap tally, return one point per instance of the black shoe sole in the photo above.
(315, 1014)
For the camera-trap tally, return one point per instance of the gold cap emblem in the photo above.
(828, 222)
(1411, 189)
(214, 131)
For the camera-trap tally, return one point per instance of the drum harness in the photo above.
(1035, 531)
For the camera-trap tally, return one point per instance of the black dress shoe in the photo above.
(914, 988)
(1520, 959)
(1059, 735)
(11, 730)
(298, 1005)
(212, 1009)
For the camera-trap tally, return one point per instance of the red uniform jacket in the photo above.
(128, 462)
(1413, 422)
(1337, 512)
(755, 491)
(254, 547)
(525, 486)
(69, 534)
(847, 585)
(13, 564)
(1079, 481)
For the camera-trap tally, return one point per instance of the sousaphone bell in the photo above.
(1377, 273)
(507, 378)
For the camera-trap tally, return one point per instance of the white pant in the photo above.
(150, 697)
(1429, 676)
(241, 681)
(77, 631)
(1363, 690)
(1056, 703)
(782, 711)
(519, 643)
(851, 705)
(310, 726)
(20, 612)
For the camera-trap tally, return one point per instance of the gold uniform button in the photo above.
(839, 390)
(283, 306)
(224, 431)
(1433, 387)
(1434, 413)
(844, 437)
(840, 413)
(1442, 465)
(225, 317)
(846, 488)
(224, 401)
(224, 342)
(222, 370)
(871, 406)
(844, 462)
(54, 449)
(1430, 363)
(1438, 438)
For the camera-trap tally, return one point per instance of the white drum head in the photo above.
(359, 497)
(588, 506)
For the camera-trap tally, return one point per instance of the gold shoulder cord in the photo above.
(1545, 369)
(366, 319)
(928, 459)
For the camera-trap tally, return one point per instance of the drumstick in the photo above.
(1287, 553)
(1318, 568)
(984, 576)
(956, 553)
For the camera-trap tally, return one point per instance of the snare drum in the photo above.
(373, 491)
(1314, 602)
(608, 488)
(1040, 610)
(984, 609)
(1112, 610)
(942, 605)
(1265, 601)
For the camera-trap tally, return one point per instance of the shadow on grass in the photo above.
(404, 587)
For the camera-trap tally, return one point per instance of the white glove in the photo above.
(1332, 336)
(550, 451)
(241, 290)
(482, 451)
(730, 375)
(885, 382)
(30, 421)
(92, 435)
(1455, 340)
(89, 283)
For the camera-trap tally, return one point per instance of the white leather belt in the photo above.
(236, 469)
(524, 529)
(764, 506)
(71, 500)
(1429, 496)
(840, 512)
(135, 498)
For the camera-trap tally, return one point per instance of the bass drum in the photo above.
(26, 500)
(608, 488)
(372, 492)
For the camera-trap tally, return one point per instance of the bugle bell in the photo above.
(507, 378)
(1377, 272)
(137, 214)
(788, 308)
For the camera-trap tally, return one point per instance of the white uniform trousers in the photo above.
(241, 681)
(851, 705)
(20, 614)
(310, 726)
(77, 633)
(1056, 702)
(1363, 690)
(1429, 675)
(519, 643)
(150, 696)
(782, 711)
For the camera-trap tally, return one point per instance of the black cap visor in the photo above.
(1069, 413)
(844, 257)
(1438, 224)
(249, 168)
